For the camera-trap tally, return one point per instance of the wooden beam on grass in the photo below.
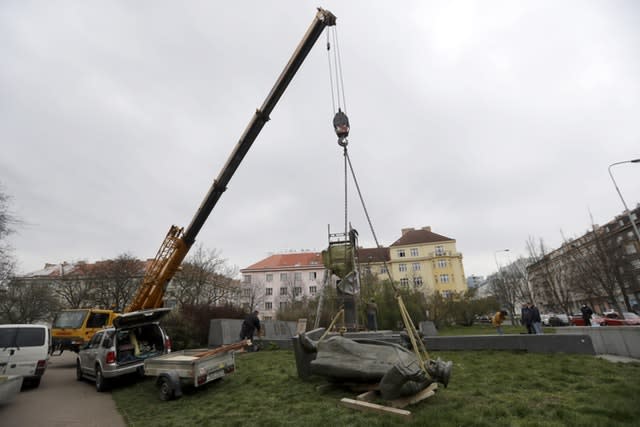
(372, 407)
(424, 394)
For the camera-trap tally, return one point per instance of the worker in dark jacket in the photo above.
(249, 325)
(586, 314)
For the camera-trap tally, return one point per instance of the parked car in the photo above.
(615, 319)
(122, 349)
(24, 351)
(577, 320)
(554, 319)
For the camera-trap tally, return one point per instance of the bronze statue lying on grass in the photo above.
(368, 361)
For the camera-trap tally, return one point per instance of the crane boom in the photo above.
(178, 241)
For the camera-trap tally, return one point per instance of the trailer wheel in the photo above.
(165, 389)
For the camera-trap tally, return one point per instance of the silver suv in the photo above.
(123, 348)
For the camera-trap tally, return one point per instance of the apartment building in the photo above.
(427, 261)
(281, 279)
(600, 268)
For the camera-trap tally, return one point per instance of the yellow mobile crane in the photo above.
(176, 245)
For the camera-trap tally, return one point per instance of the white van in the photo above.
(24, 350)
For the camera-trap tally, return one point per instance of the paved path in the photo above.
(61, 401)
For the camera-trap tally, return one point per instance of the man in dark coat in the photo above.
(249, 325)
(527, 318)
(586, 314)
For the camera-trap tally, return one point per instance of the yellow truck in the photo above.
(73, 328)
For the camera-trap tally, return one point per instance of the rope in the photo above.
(416, 343)
(333, 99)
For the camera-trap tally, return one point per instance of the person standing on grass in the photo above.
(250, 324)
(497, 321)
(586, 314)
(526, 317)
(536, 321)
(372, 315)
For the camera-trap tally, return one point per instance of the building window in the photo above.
(383, 269)
(297, 277)
(283, 277)
(417, 282)
(442, 263)
(401, 253)
(414, 251)
(313, 290)
(631, 249)
(444, 278)
(415, 266)
(268, 291)
(246, 292)
(313, 275)
(269, 277)
(446, 294)
(268, 305)
(404, 282)
(297, 291)
(283, 291)
(402, 267)
(283, 305)
(247, 278)
(439, 250)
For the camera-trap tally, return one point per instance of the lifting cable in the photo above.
(341, 127)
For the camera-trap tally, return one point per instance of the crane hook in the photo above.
(341, 126)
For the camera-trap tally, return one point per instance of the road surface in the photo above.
(61, 401)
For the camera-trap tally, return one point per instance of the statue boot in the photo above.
(439, 370)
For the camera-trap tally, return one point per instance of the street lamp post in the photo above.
(633, 223)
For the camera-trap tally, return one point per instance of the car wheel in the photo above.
(78, 371)
(165, 390)
(101, 382)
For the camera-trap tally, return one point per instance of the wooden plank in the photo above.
(224, 348)
(367, 396)
(424, 394)
(372, 407)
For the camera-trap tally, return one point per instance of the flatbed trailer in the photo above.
(191, 368)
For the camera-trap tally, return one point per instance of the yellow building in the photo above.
(419, 259)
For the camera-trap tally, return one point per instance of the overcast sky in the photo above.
(489, 121)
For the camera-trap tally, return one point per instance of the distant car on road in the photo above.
(577, 320)
(123, 348)
(615, 319)
(554, 319)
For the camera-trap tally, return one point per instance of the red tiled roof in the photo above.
(366, 255)
(424, 235)
(285, 261)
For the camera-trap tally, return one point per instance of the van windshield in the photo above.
(21, 337)
(70, 319)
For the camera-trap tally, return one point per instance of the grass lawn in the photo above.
(487, 388)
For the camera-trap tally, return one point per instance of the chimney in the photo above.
(406, 230)
(427, 228)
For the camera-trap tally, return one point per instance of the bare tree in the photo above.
(503, 288)
(205, 278)
(253, 294)
(116, 281)
(73, 290)
(27, 301)
(554, 282)
(7, 262)
(596, 268)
